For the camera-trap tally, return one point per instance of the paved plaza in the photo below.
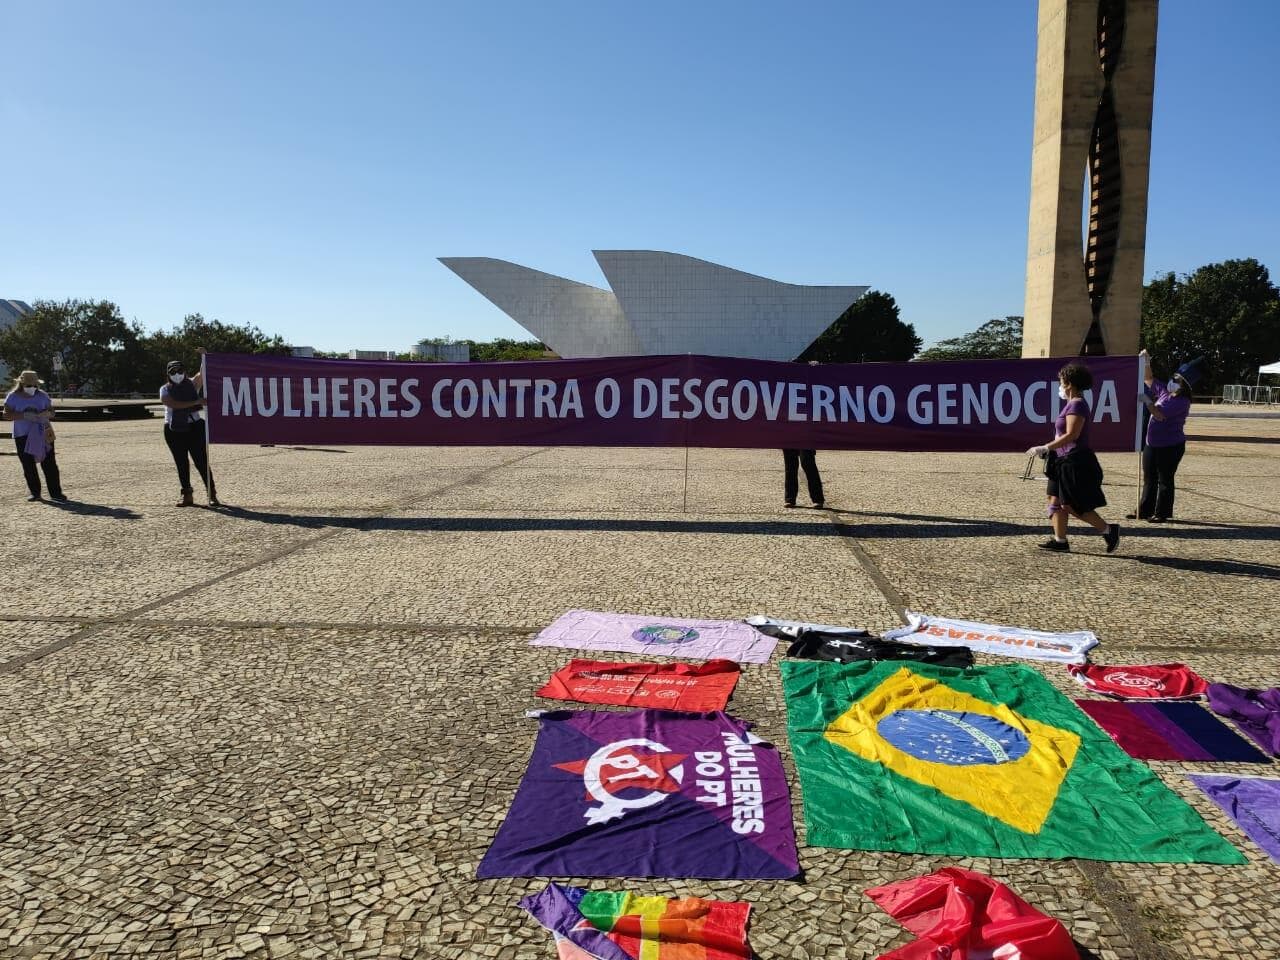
(291, 727)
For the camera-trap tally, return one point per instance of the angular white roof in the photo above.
(661, 303)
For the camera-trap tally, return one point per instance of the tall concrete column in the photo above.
(1091, 149)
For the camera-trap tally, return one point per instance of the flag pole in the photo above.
(208, 430)
(1138, 434)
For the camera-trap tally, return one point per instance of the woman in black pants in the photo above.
(184, 430)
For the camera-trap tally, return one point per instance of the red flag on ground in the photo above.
(1149, 681)
(693, 687)
(962, 915)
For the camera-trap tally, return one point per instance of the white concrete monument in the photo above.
(661, 303)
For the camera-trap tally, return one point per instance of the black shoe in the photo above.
(60, 497)
(1157, 519)
(819, 506)
(1112, 537)
(789, 503)
(1060, 546)
(34, 498)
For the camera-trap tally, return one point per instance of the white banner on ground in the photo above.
(990, 638)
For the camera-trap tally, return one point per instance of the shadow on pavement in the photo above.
(1235, 568)
(914, 527)
(917, 525)
(95, 510)
(535, 524)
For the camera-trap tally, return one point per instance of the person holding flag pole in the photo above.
(184, 429)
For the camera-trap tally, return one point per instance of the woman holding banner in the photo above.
(1075, 476)
(1168, 403)
(184, 430)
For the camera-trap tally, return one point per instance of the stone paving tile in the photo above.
(334, 791)
(21, 636)
(521, 571)
(219, 789)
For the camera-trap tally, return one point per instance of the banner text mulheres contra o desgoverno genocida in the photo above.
(985, 405)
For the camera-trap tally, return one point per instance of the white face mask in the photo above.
(177, 377)
(1062, 392)
(29, 391)
(1173, 386)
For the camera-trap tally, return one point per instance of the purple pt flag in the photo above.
(649, 793)
(660, 636)
(1252, 802)
(1256, 712)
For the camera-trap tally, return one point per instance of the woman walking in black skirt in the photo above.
(1075, 476)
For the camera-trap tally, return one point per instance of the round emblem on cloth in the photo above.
(953, 737)
(665, 635)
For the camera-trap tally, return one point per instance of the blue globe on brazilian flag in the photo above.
(988, 761)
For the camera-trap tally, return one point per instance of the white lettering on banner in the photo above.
(670, 398)
(362, 399)
(608, 408)
(287, 390)
(236, 401)
(742, 791)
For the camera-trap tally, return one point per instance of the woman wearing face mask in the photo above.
(1169, 403)
(1075, 476)
(30, 409)
(184, 430)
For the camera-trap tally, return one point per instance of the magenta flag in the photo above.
(982, 405)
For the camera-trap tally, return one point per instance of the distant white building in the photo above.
(305, 352)
(371, 355)
(444, 352)
(659, 303)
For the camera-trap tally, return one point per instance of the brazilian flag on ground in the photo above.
(984, 761)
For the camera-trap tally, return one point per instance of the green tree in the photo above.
(182, 342)
(506, 349)
(869, 330)
(999, 339)
(1228, 313)
(93, 342)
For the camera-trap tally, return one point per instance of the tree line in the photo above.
(1228, 313)
(88, 345)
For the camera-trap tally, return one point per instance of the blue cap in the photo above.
(1192, 371)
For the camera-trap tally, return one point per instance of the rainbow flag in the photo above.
(619, 925)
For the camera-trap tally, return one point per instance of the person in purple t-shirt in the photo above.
(1075, 476)
(1169, 405)
(30, 409)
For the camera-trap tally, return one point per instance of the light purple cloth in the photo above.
(1256, 712)
(37, 447)
(663, 636)
(19, 401)
(1252, 802)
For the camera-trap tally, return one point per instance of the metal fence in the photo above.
(1245, 393)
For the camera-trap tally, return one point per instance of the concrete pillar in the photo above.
(1095, 75)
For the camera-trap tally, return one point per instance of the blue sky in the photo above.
(299, 166)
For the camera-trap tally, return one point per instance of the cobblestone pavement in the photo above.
(290, 728)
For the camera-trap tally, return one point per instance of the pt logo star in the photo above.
(627, 775)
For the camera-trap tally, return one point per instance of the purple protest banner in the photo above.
(649, 793)
(982, 405)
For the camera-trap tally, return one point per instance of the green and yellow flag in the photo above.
(986, 761)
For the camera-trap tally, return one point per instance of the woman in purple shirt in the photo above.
(31, 409)
(1169, 405)
(1075, 476)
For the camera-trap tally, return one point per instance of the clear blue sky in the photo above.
(299, 166)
